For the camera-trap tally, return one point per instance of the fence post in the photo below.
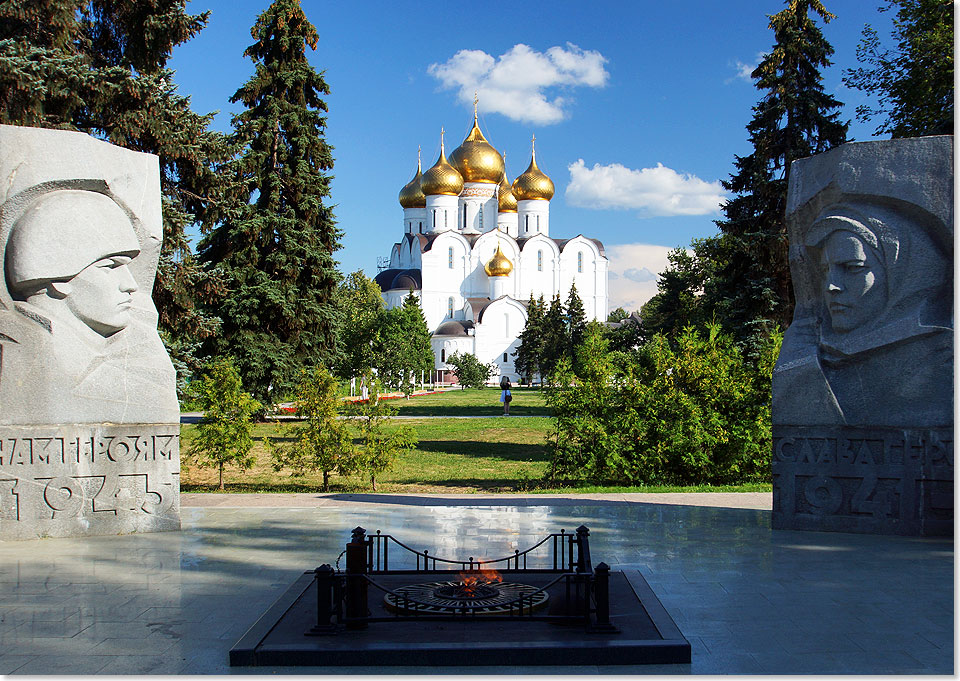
(357, 580)
(324, 577)
(601, 596)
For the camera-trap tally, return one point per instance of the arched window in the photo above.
(526, 224)
(443, 355)
(480, 217)
(504, 358)
(464, 216)
(580, 261)
(421, 227)
(450, 259)
(444, 219)
(538, 223)
(539, 261)
(450, 307)
(434, 218)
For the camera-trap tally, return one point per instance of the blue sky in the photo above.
(638, 107)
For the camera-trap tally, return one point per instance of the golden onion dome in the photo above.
(506, 201)
(533, 183)
(499, 265)
(442, 178)
(412, 196)
(476, 159)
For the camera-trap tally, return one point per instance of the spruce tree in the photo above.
(750, 288)
(576, 320)
(556, 340)
(99, 67)
(530, 349)
(276, 242)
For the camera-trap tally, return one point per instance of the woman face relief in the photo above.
(853, 280)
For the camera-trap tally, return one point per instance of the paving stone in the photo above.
(11, 663)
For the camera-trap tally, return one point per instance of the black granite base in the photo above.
(647, 634)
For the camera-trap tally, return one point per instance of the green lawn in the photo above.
(473, 402)
(455, 455)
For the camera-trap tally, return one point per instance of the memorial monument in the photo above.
(863, 387)
(89, 418)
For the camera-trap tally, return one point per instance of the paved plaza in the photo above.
(749, 600)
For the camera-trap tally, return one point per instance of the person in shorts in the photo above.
(505, 395)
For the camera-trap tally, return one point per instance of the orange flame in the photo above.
(479, 576)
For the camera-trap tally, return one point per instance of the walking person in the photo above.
(505, 395)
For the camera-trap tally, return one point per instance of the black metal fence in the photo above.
(342, 596)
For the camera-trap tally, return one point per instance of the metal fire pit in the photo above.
(557, 610)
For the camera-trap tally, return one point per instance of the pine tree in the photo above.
(576, 321)
(99, 67)
(277, 239)
(914, 81)
(751, 285)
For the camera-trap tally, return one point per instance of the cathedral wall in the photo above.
(497, 334)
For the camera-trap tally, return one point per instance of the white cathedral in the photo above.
(476, 249)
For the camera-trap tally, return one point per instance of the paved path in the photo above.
(754, 500)
(750, 600)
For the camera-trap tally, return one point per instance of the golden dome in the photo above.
(506, 201)
(499, 265)
(533, 183)
(442, 178)
(476, 159)
(412, 196)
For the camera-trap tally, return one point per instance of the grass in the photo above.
(454, 455)
(474, 402)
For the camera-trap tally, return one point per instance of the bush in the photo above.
(223, 436)
(695, 414)
(469, 370)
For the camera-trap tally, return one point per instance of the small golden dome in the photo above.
(506, 201)
(442, 178)
(412, 196)
(499, 265)
(476, 159)
(533, 183)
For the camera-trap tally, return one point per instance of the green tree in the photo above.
(223, 436)
(749, 286)
(362, 313)
(677, 303)
(555, 341)
(530, 349)
(379, 448)
(321, 442)
(99, 66)
(470, 371)
(403, 349)
(277, 238)
(576, 321)
(913, 82)
(624, 332)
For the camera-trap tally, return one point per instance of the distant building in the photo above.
(476, 249)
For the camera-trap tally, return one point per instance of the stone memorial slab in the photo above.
(89, 418)
(863, 387)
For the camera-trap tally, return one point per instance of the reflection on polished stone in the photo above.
(177, 602)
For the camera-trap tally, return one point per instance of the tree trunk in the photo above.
(326, 481)
(373, 481)
(221, 477)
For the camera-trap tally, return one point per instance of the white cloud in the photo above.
(639, 275)
(633, 272)
(515, 83)
(743, 70)
(656, 191)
